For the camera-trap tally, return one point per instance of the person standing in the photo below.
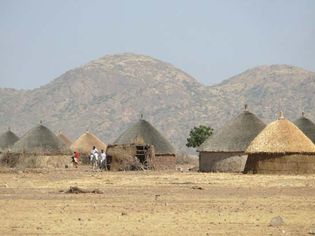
(103, 165)
(94, 158)
(75, 159)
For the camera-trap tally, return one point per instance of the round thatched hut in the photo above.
(66, 141)
(142, 133)
(85, 143)
(307, 126)
(281, 148)
(224, 151)
(40, 140)
(7, 140)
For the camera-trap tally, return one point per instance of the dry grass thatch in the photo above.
(22, 161)
(307, 126)
(7, 140)
(234, 136)
(125, 162)
(143, 132)
(85, 143)
(281, 136)
(40, 140)
(64, 139)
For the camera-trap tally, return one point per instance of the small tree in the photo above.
(198, 135)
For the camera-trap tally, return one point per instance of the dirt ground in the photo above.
(153, 203)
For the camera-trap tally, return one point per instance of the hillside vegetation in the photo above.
(109, 93)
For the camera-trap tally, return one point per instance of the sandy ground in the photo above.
(153, 203)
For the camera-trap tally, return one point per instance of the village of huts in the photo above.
(38, 147)
(242, 145)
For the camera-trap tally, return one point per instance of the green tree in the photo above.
(198, 135)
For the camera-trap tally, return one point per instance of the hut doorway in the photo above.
(141, 153)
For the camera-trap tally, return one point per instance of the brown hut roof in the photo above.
(144, 133)
(39, 140)
(7, 140)
(307, 126)
(64, 139)
(235, 136)
(281, 136)
(85, 143)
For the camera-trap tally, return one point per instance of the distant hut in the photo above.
(64, 139)
(148, 140)
(281, 148)
(307, 126)
(7, 140)
(40, 140)
(224, 151)
(85, 143)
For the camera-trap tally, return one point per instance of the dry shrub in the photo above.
(9, 160)
(22, 161)
(125, 163)
(183, 158)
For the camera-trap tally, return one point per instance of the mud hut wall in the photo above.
(163, 162)
(27, 160)
(121, 150)
(280, 164)
(150, 156)
(222, 161)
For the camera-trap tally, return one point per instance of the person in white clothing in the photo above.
(94, 153)
(94, 158)
(103, 160)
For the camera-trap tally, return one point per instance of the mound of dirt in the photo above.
(77, 190)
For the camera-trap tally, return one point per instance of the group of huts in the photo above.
(141, 142)
(246, 144)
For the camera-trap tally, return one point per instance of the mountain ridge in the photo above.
(107, 94)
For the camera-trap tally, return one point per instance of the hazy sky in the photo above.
(211, 40)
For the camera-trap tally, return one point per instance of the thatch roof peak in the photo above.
(7, 139)
(281, 116)
(148, 134)
(64, 139)
(40, 140)
(85, 143)
(307, 127)
(281, 136)
(245, 107)
(235, 135)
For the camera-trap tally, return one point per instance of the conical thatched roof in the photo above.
(235, 136)
(7, 140)
(39, 140)
(307, 126)
(85, 143)
(64, 139)
(143, 132)
(281, 136)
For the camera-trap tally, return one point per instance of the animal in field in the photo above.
(94, 161)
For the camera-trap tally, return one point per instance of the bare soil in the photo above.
(35, 202)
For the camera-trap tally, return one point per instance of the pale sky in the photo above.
(210, 40)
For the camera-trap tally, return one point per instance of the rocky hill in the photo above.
(107, 94)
